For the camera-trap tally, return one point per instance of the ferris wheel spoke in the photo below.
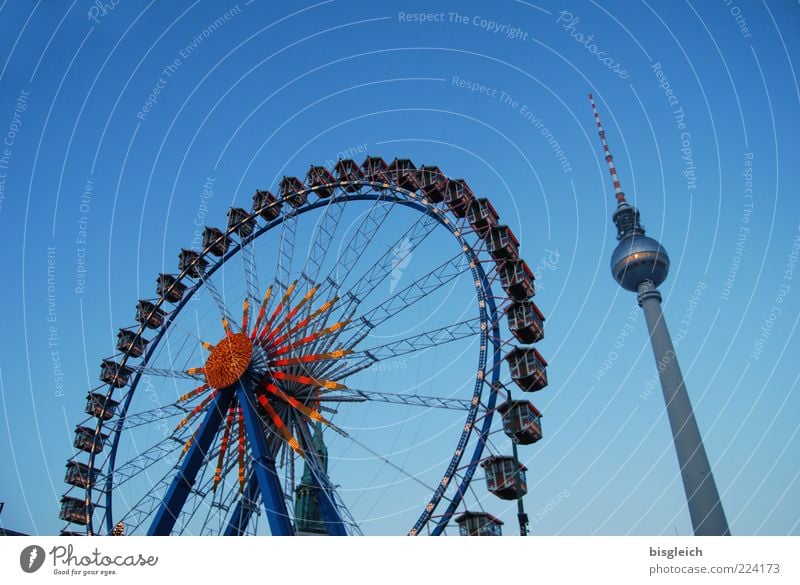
(323, 238)
(251, 276)
(154, 415)
(353, 395)
(412, 476)
(219, 300)
(283, 270)
(165, 373)
(144, 509)
(403, 299)
(326, 338)
(394, 259)
(419, 289)
(362, 359)
(164, 450)
(361, 240)
(215, 502)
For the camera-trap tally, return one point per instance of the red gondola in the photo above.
(505, 478)
(131, 344)
(80, 475)
(478, 524)
(458, 196)
(501, 243)
(525, 321)
(319, 176)
(215, 241)
(521, 421)
(374, 169)
(240, 222)
(86, 440)
(73, 510)
(482, 216)
(429, 175)
(114, 374)
(432, 183)
(528, 368)
(293, 191)
(192, 263)
(149, 315)
(267, 205)
(99, 406)
(517, 280)
(403, 172)
(347, 170)
(170, 288)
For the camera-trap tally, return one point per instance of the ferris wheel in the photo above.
(329, 363)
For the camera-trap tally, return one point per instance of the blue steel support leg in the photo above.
(244, 508)
(329, 511)
(269, 483)
(182, 484)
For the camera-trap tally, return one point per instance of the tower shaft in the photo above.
(705, 509)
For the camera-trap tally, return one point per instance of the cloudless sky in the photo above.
(712, 166)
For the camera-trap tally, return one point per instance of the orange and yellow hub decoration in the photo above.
(229, 359)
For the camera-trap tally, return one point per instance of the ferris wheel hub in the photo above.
(228, 360)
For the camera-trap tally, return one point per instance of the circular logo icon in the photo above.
(31, 558)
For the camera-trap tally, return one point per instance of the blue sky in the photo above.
(483, 91)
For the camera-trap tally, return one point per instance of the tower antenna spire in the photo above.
(609, 158)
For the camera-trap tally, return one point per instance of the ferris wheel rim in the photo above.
(409, 199)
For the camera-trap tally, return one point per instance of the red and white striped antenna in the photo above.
(609, 159)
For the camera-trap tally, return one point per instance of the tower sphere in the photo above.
(638, 258)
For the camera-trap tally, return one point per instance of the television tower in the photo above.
(640, 264)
